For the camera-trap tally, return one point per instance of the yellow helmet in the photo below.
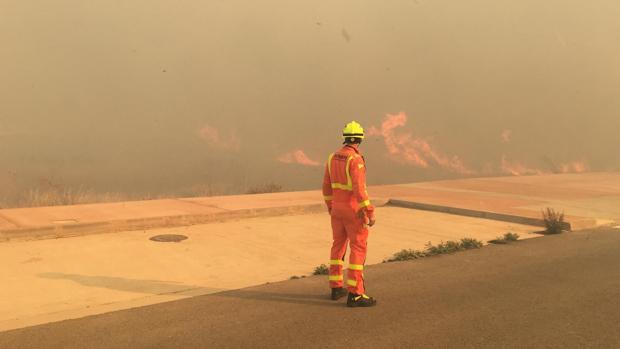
(353, 130)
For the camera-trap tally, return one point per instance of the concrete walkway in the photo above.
(588, 199)
(56, 279)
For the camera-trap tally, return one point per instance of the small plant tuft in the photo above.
(508, 237)
(432, 250)
(554, 221)
(406, 255)
(295, 277)
(470, 243)
(321, 270)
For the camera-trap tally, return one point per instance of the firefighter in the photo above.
(346, 197)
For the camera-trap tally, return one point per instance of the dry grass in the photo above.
(49, 191)
(66, 196)
(265, 188)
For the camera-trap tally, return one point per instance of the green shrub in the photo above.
(442, 247)
(554, 221)
(508, 237)
(321, 270)
(406, 255)
(469, 243)
(432, 250)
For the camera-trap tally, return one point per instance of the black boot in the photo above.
(355, 300)
(338, 293)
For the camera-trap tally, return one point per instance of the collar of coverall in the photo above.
(354, 147)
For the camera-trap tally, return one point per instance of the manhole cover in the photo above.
(168, 238)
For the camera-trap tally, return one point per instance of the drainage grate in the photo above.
(168, 238)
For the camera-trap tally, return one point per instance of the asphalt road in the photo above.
(552, 292)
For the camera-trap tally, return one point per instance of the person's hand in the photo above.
(371, 222)
(361, 214)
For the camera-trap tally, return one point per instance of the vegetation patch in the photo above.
(554, 221)
(406, 255)
(508, 237)
(265, 188)
(432, 250)
(321, 270)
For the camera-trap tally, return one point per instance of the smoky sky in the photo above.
(135, 95)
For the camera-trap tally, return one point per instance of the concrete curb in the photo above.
(80, 229)
(472, 213)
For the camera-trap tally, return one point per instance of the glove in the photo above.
(367, 220)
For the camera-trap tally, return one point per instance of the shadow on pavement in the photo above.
(129, 285)
(158, 287)
(302, 299)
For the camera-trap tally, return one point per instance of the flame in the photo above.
(518, 169)
(297, 157)
(574, 167)
(213, 137)
(415, 151)
(506, 136)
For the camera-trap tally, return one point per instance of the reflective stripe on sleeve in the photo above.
(335, 278)
(365, 203)
(328, 198)
(356, 267)
(336, 262)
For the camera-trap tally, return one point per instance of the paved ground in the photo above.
(588, 199)
(553, 292)
(52, 280)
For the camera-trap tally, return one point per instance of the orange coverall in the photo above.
(344, 190)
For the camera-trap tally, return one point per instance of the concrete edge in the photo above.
(471, 213)
(79, 229)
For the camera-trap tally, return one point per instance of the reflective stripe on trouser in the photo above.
(351, 230)
(335, 272)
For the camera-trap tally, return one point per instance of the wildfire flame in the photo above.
(574, 167)
(506, 136)
(415, 151)
(518, 169)
(213, 137)
(297, 157)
